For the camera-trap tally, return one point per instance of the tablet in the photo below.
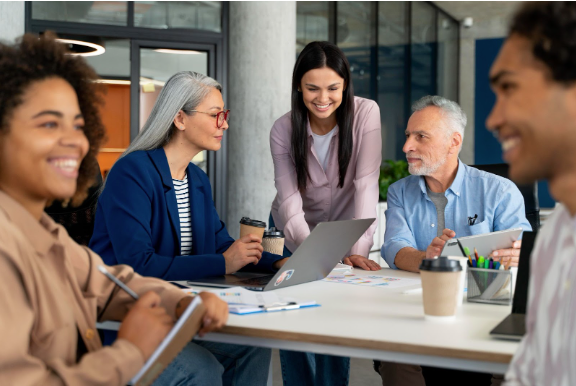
(484, 243)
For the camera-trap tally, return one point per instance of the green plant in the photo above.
(391, 172)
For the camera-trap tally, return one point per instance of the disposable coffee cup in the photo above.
(249, 226)
(441, 285)
(273, 241)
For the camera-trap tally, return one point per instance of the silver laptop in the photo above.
(326, 245)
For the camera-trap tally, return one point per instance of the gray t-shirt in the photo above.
(440, 201)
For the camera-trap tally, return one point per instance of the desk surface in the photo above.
(379, 323)
(375, 323)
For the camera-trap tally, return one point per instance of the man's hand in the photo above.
(509, 257)
(245, 250)
(146, 324)
(435, 247)
(362, 262)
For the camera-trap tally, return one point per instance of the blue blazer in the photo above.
(137, 222)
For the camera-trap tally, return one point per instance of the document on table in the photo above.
(243, 301)
(372, 280)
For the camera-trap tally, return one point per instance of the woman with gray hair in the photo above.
(156, 214)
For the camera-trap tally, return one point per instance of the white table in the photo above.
(376, 323)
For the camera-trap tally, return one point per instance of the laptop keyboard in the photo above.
(262, 280)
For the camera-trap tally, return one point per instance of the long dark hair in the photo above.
(319, 55)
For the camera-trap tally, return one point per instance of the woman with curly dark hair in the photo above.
(51, 292)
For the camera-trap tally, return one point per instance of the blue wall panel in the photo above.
(487, 149)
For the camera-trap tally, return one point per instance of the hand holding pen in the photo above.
(146, 324)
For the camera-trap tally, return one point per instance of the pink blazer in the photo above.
(297, 214)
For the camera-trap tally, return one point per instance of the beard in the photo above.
(427, 168)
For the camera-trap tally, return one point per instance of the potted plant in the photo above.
(391, 172)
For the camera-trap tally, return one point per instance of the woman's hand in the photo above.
(362, 262)
(216, 314)
(146, 324)
(245, 250)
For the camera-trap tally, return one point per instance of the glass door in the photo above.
(156, 64)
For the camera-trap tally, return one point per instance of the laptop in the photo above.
(513, 327)
(313, 260)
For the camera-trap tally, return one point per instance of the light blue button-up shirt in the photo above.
(411, 218)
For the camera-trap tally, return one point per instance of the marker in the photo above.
(496, 265)
(467, 253)
(116, 281)
(486, 263)
(491, 264)
(474, 263)
(481, 262)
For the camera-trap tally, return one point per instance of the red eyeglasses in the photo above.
(221, 116)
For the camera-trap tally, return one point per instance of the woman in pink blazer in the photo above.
(327, 153)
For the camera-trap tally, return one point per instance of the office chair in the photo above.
(529, 192)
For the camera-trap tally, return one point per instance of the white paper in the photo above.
(243, 301)
(372, 280)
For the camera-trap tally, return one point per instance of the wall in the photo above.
(11, 20)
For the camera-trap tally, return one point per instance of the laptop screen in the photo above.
(521, 291)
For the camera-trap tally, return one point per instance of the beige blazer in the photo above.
(49, 290)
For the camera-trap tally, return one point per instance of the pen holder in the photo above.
(490, 286)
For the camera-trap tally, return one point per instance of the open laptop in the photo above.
(326, 245)
(513, 327)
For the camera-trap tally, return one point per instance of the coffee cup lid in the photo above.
(252, 223)
(273, 232)
(441, 264)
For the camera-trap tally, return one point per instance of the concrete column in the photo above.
(262, 52)
(11, 20)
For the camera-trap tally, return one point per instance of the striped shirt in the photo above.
(547, 353)
(183, 201)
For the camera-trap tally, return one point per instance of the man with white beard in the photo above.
(444, 198)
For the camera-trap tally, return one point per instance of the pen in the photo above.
(467, 253)
(497, 265)
(486, 263)
(280, 306)
(116, 281)
(491, 264)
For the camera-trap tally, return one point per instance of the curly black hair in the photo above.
(551, 28)
(33, 59)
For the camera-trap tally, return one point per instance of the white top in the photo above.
(321, 146)
(547, 353)
(183, 201)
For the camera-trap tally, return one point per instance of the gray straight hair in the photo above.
(184, 90)
(456, 116)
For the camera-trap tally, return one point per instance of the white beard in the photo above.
(426, 169)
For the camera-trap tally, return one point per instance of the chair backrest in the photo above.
(78, 221)
(529, 192)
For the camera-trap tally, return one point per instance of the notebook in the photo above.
(183, 331)
(513, 327)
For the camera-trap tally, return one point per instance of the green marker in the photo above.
(486, 263)
(481, 262)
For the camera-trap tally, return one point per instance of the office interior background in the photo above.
(398, 52)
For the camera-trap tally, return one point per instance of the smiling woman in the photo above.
(50, 130)
(51, 293)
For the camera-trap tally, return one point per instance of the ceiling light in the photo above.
(82, 48)
(178, 52)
